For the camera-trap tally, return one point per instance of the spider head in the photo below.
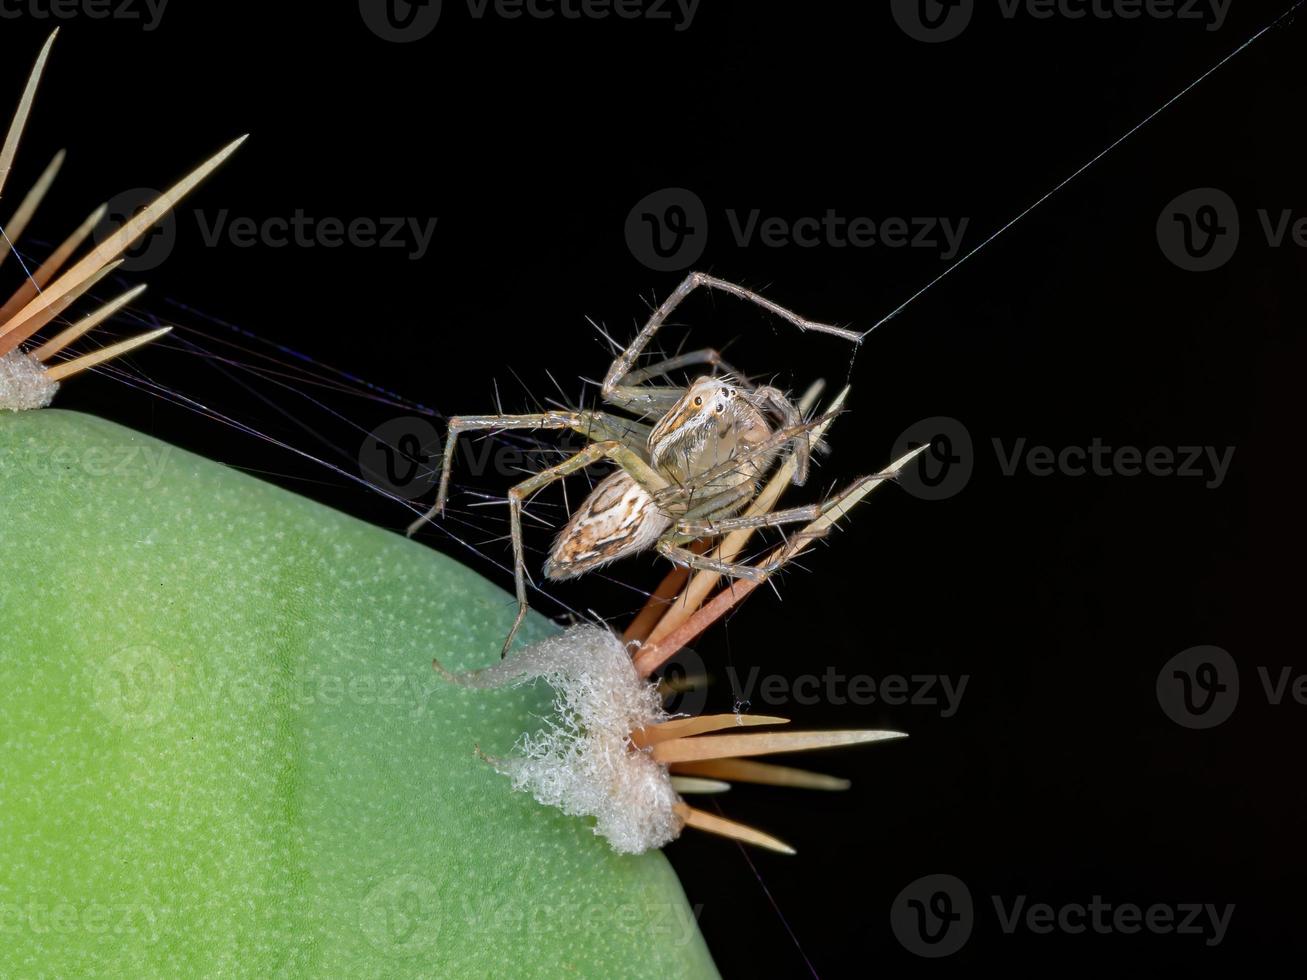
(712, 419)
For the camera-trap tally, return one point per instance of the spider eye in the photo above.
(698, 401)
(721, 407)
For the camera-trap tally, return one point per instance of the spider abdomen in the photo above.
(618, 518)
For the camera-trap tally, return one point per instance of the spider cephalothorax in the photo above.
(681, 479)
(716, 420)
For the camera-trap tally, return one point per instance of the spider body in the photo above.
(688, 463)
(716, 421)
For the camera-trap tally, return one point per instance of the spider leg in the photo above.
(700, 528)
(774, 400)
(621, 454)
(695, 526)
(622, 366)
(679, 555)
(728, 501)
(632, 394)
(592, 425)
(819, 518)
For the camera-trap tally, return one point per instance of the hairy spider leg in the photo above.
(621, 367)
(618, 452)
(653, 400)
(593, 425)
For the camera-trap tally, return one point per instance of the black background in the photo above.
(1060, 597)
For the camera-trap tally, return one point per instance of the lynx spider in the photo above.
(681, 479)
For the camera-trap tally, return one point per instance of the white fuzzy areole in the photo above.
(583, 761)
(24, 384)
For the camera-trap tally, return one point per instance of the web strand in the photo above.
(1089, 163)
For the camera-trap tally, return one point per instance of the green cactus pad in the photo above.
(223, 750)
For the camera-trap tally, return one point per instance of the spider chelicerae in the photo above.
(688, 464)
